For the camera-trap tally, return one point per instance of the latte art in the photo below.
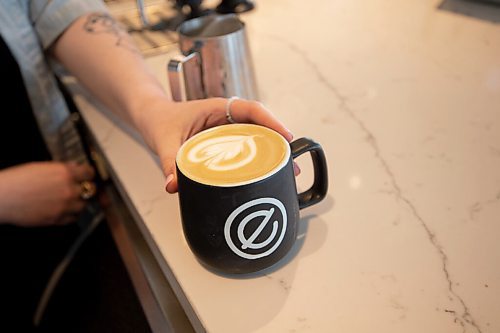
(224, 153)
(232, 155)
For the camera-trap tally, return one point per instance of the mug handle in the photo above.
(184, 75)
(319, 188)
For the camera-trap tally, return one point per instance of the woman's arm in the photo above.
(102, 56)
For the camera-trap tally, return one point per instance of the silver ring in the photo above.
(228, 109)
(87, 189)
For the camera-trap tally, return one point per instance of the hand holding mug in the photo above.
(167, 125)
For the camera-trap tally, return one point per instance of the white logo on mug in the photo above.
(261, 218)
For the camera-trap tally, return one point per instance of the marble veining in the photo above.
(147, 206)
(106, 137)
(478, 206)
(283, 284)
(463, 316)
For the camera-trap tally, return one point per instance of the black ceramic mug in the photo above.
(238, 197)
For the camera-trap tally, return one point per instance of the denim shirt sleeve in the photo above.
(51, 18)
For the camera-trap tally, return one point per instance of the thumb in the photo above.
(168, 166)
(171, 183)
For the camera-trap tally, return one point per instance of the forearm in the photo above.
(97, 51)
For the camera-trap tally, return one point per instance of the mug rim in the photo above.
(266, 175)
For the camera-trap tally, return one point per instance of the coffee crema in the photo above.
(231, 155)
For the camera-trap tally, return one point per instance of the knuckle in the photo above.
(255, 104)
(218, 100)
(65, 173)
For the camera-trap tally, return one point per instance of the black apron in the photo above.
(27, 255)
(95, 294)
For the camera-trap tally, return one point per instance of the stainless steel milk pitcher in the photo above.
(215, 62)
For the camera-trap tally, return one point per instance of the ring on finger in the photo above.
(87, 189)
(229, 117)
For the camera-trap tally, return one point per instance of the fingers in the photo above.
(171, 183)
(169, 171)
(72, 207)
(296, 169)
(255, 112)
(203, 114)
(75, 203)
(243, 111)
(82, 175)
(80, 172)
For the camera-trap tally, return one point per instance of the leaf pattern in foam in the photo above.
(224, 153)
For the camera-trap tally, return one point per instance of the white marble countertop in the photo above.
(404, 97)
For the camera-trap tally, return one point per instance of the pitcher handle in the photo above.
(184, 75)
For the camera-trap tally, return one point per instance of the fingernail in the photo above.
(168, 180)
(296, 169)
(290, 134)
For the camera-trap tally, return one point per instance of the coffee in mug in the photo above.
(233, 155)
(238, 198)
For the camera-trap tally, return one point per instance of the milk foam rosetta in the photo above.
(233, 154)
(224, 153)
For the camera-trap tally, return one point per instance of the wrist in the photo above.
(138, 101)
(150, 114)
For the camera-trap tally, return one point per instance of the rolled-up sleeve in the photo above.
(51, 18)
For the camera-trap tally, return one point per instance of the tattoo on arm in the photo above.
(102, 23)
